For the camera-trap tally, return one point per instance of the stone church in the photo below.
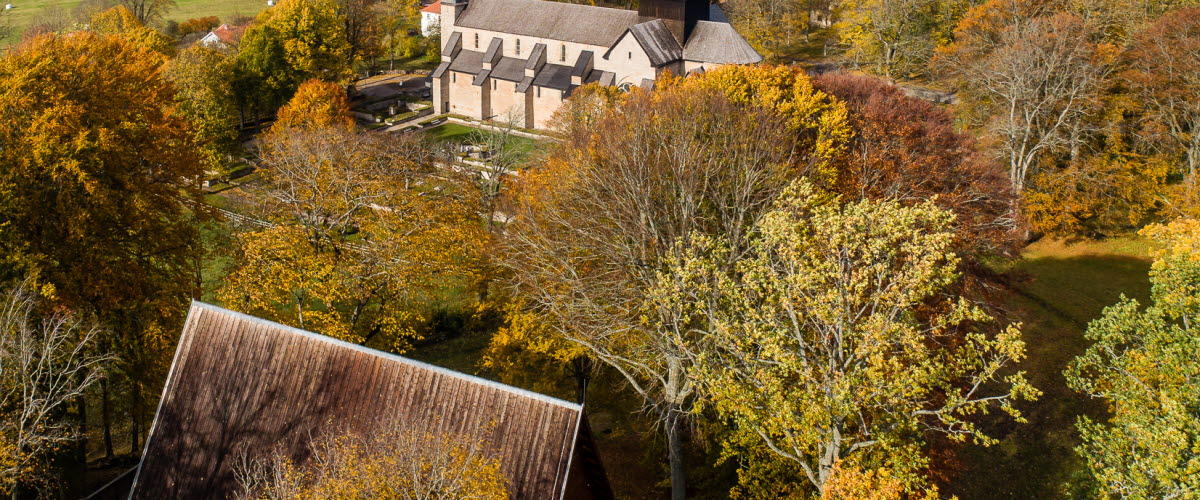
(519, 59)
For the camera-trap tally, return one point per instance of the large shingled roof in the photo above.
(719, 43)
(240, 382)
(553, 20)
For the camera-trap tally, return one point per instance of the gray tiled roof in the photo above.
(537, 56)
(554, 76)
(545, 19)
(441, 70)
(581, 64)
(493, 50)
(509, 68)
(452, 44)
(468, 61)
(716, 42)
(658, 42)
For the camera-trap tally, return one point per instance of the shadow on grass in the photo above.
(1054, 298)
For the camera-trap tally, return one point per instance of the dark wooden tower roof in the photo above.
(240, 382)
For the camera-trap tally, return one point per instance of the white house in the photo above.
(223, 37)
(522, 58)
(431, 16)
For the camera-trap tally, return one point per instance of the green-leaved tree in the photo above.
(1144, 365)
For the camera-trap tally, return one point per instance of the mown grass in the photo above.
(1057, 287)
(26, 12)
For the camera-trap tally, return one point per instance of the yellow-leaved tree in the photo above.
(360, 235)
(830, 339)
(394, 463)
(611, 204)
(100, 192)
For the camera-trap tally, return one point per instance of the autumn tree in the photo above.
(360, 233)
(120, 22)
(317, 104)
(1164, 75)
(394, 463)
(1033, 80)
(147, 11)
(101, 195)
(892, 36)
(198, 25)
(294, 41)
(363, 28)
(1143, 365)
(395, 18)
(206, 101)
(770, 26)
(908, 150)
(831, 339)
(48, 358)
(608, 208)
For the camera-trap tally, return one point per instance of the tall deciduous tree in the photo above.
(147, 11)
(317, 104)
(1143, 365)
(909, 150)
(1164, 74)
(1034, 78)
(361, 235)
(294, 41)
(119, 22)
(394, 462)
(832, 341)
(604, 214)
(206, 100)
(101, 192)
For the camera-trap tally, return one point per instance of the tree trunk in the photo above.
(135, 430)
(83, 429)
(674, 431)
(106, 418)
(583, 375)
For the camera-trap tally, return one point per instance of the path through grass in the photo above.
(1057, 289)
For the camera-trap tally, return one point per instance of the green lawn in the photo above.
(1057, 288)
(25, 12)
(450, 132)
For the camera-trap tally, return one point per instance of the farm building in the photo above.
(243, 383)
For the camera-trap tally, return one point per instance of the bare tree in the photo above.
(47, 361)
(600, 217)
(147, 11)
(503, 152)
(1037, 84)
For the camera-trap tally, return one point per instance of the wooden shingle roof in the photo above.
(240, 382)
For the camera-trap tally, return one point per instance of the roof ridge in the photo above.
(389, 356)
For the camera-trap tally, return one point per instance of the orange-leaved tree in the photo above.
(317, 103)
(101, 195)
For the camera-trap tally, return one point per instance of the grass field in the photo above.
(1057, 289)
(25, 12)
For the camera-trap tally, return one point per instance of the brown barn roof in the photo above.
(240, 382)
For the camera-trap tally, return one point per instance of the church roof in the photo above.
(719, 43)
(243, 383)
(657, 41)
(553, 20)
